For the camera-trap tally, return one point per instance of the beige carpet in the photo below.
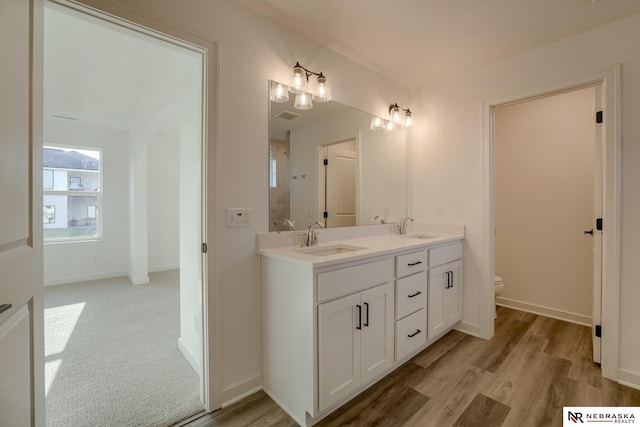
(111, 354)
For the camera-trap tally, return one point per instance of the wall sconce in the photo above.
(299, 85)
(400, 115)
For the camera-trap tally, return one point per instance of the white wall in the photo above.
(544, 200)
(252, 50)
(69, 262)
(448, 154)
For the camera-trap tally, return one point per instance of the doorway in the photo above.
(163, 150)
(609, 81)
(337, 172)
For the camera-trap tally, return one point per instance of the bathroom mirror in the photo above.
(327, 159)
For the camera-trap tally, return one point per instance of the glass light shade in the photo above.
(377, 123)
(298, 79)
(321, 91)
(279, 92)
(408, 120)
(395, 113)
(303, 101)
(389, 126)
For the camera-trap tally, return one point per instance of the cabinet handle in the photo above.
(414, 334)
(451, 279)
(359, 316)
(411, 264)
(366, 306)
(447, 285)
(4, 307)
(414, 295)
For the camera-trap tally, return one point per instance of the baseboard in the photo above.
(160, 268)
(630, 379)
(142, 280)
(567, 316)
(191, 358)
(467, 328)
(84, 278)
(239, 391)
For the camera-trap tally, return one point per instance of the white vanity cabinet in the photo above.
(445, 293)
(411, 302)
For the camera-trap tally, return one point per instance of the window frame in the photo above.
(71, 192)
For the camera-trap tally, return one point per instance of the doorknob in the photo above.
(4, 307)
(589, 232)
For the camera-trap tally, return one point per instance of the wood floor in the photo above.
(522, 377)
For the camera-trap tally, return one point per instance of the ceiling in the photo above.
(413, 41)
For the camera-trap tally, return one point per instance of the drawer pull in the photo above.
(414, 334)
(414, 295)
(411, 264)
(359, 316)
(366, 306)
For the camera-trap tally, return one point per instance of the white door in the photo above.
(596, 316)
(340, 189)
(21, 278)
(339, 326)
(376, 346)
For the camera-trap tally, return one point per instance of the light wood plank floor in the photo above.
(522, 377)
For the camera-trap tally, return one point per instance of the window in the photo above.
(72, 193)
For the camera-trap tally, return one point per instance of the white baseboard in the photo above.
(83, 278)
(567, 316)
(239, 391)
(630, 379)
(468, 328)
(160, 268)
(192, 358)
(142, 280)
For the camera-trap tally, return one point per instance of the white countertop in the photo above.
(371, 246)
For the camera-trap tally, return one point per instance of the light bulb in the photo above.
(322, 92)
(377, 123)
(394, 112)
(389, 126)
(298, 79)
(279, 92)
(303, 101)
(408, 120)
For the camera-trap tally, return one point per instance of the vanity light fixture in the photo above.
(278, 92)
(303, 101)
(377, 123)
(300, 83)
(399, 115)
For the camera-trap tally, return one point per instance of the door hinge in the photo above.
(325, 162)
(205, 248)
(599, 224)
(599, 118)
(325, 214)
(599, 331)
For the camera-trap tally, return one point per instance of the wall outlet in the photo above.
(238, 217)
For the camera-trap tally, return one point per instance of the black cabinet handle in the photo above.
(415, 295)
(411, 264)
(5, 307)
(451, 279)
(414, 334)
(447, 285)
(366, 306)
(359, 316)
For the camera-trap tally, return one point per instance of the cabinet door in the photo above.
(339, 349)
(453, 294)
(377, 330)
(437, 318)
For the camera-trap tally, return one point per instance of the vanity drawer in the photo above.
(411, 263)
(445, 254)
(411, 294)
(411, 333)
(345, 281)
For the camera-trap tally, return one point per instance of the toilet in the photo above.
(499, 287)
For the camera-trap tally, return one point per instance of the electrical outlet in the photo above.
(238, 217)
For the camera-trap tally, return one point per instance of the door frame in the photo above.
(609, 80)
(211, 378)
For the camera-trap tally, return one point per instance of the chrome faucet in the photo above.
(311, 238)
(402, 227)
(289, 225)
(379, 218)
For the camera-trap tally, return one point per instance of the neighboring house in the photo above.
(71, 188)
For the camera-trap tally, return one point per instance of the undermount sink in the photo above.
(422, 236)
(329, 250)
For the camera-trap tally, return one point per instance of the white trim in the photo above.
(188, 354)
(239, 391)
(630, 379)
(467, 328)
(553, 313)
(160, 268)
(84, 278)
(140, 280)
(609, 79)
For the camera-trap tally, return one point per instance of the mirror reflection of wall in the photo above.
(375, 184)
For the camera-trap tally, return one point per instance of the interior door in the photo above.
(597, 234)
(340, 196)
(21, 278)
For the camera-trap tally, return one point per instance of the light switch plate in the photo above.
(237, 217)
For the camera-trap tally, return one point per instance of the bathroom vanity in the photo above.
(339, 316)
